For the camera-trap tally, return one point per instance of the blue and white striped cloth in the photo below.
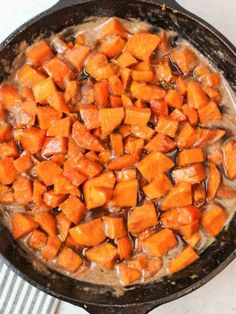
(19, 297)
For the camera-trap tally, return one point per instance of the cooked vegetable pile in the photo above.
(105, 151)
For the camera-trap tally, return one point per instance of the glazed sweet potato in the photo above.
(229, 150)
(22, 225)
(110, 119)
(8, 173)
(179, 195)
(69, 260)
(124, 247)
(53, 199)
(127, 275)
(77, 55)
(192, 174)
(51, 248)
(73, 209)
(23, 190)
(146, 92)
(213, 219)
(167, 126)
(46, 222)
(39, 52)
(137, 116)
(161, 143)
(182, 260)
(114, 227)
(37, 239)
(105, 254)
(185, 59)
(59, 127)
(196, 96)
(32, 139)
(63, 225)
(213, 182)
(159, 186)
(190, 156)
(121, 197)
(47, 171)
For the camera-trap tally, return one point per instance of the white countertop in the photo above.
(217, 296)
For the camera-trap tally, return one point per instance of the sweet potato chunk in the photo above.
(46, 222)
(47, 171)
(153, 164)
(62, 185)
(190, 156)
(37, 239)
(142, 45)
(142, 131)
(209, 113)
(174, 99)
(213, 182)
(32, 139)
(167, 126)
(22, 190)
(226, 192)
(196, 96)
(110, 119)
(54, 146)
(53, 199)
(69, 260)
(121, 197)
(213, 219)
(89, 233)
(146, 92)
(22, 225)
(98, 67)
(8, 173)
(73, 209)
(192, 174)
(186, 137)
(101, 93)
(60, 127)
(63, 225)
(159, 186)
(160, 243)
(182, 260)
(90, 116)
(46, 116)
(110, 28)
(114, 227)
(117, 144)
(124, 247)
(188, 230)
(112, 47)
(180, 195)
(199, 194)
(121, 162)
(141, 218)
(229, 150)
(126, 60)
(194, 239)
(6, 195)
(51, 248)
(161, 143)
(137, 116)
(116, 85)
(77, 55)
(39, 52)
(105, 255)
(28, 76)
(139, 262)
(185, 59)
(127, 275)
(23, 163)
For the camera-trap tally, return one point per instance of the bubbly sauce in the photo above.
(93, 273)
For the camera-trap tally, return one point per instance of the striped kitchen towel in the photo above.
(19, 297)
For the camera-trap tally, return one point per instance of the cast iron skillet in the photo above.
(141, 298)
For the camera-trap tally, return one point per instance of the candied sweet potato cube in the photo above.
(110, 28)
(126, 60)
(116, 85)
(9, 97)
(6, 194)
(161, 143)
(116, 140)
(8, 149)
(47, 222)
(22, 225)
(37, 239)
(23, 190)
(226, 192)
(127, 275)
(142, 217)
(101, 93)
(89, 233)
(159, 107)
(185, 59)
(39, 52)
(46, 116)
(209, 113)
(180, 195)
(197, 98)
(124, 247)
(139, 262)
(144, 132)
(8, 173)
(32, 139)
(191, 114)
(190, 156)
(24, 163)
(229, 150)
(153, 164)
(121, 162)
(182, 260)
(163, 71)
(213, 219)
(112, 47)
(69, 260)
(105, 255)
(73, 209)
(53, 146)
(90, 116)
(167, 126)
(98, 67)
(174, 99)
(110, 119)
(53, 199)
(194, 239)
(47, 170)
(137, 116)
(213, 181)
(38, 190)
(125, 75)
(59, 127)
(62, 185)
(192, 174)
(186, 137)
(160, 243)
(188, 230)
(77, 55)
(199, 194)
(114, 227)
(28, 76)
(146, 92)
(126, 175)
(159, 186)
(51, 248)
(63, 225)
(121, 197)
(142, 76)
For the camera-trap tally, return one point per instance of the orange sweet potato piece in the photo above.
(6, 194)
(139, 262)
(207, 136)
(23, 163)
(9, 97)
(5, 132)
(191, 114)
(77, 55)
(53, 199)
(98, 67)
(142, 76)
(126, 101)
(146, 92)
(187, 231)
(110, 28)
(209, 113)
(46, 116)
(159, 107)
(74, 150)
(98, 191)
(84, 139)
(141, 218)
(22, 190)
(47, 170)
(110, 119)
(105, 255)
(62, 185)
(59, 127)
(51, 248)
(116, 85)
(133, 145)
(216, 156)
(137, 116)
(53, 146)
(125, 75)
(160, 243)
(47, 222)
(178, 115)
(185, 59)
(9, 149)
(90, 115)
(71, 91)
(182, 260)
(144, 132)
(120, 196)
(121, 162)
(32, 139)
(161, 143)
(39, 52)
(114, 227)
(8, 173)
(59, 71)
(180, 195)
(174, 99)
(89, 233)
(85, 166)
(194, 239)
(159, 186)
(196, 96)
(22, 225)
(69, 260)
(211, 79)
(126, 175)
(190, 156)
(142, 45)
(101, 93)
(116, 140)
(229, 149)
(125, 248)
(28, 76)
(199, 194)
(181, 86)
(154, 266)
(112, 47)
(38, 190)
(73, 209)
(226, 192)
(163, 71)
(126, 60)
(37, 239)
(167, 126)
(192, 174)
(127, 275)
(213, 182)
(187, 136)
(213, 219)
(153, 164)
(63, 225)
(180, 216)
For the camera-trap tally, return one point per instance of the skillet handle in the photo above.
(66, 3)
(128, 309)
